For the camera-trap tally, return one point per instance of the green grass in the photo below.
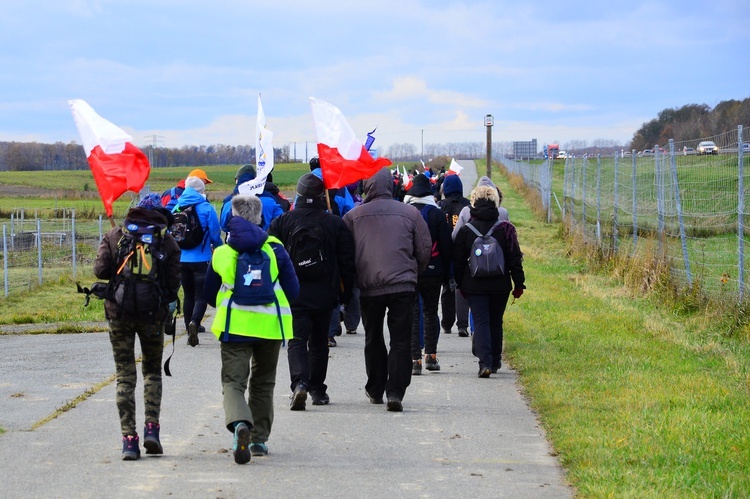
(638, 401)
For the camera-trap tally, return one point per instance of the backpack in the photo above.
(139, 282)
(187, 229)
(434, 266)
(486, 258)
(305, 247)
(253, 285)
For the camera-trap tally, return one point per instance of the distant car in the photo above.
(646, 152)
(624, 153)
(688, 151)
(562, 155)
(707, 147)
(746, 147)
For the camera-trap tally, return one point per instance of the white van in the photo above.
(562, 155)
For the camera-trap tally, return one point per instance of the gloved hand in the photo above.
(452, 285)
(517, 292)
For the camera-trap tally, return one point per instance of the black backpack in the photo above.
(486, 258)
(139, 283)
(435, 265)
(306, 244)
(187, 229)
(253, 285)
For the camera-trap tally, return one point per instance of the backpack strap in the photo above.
(479, 234)
(170, 329)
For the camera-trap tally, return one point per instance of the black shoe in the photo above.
(394, 405)
(431, 363)
(298, 398)
(241, 447)
(447, 331)
(351, 331)
(338, 332)
(374, 400)
(192, 334)
(484, 372)
(331, 342)
(323, 399)
(496, 368)
(416, 367)
(201, 329)
(463, 332)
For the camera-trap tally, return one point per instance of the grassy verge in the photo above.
(637, 400)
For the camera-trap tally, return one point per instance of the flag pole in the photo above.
(328, 201)
(112, 221)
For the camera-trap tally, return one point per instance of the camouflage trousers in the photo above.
(122, 336)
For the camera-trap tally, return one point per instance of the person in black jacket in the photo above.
(431, 279)
(311, 310)
(453, 306)
(488, 296)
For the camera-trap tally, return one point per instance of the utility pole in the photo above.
(154, 141)
(488, 122)
(422, 143)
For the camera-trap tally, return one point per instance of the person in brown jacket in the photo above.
(392, 247)
(141, 314)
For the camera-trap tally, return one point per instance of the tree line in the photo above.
(692, 122)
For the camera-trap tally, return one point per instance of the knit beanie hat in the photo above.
(310, 186)
(452, 184)
(420, 186)
(150, 201)
(245, 170)
(196, 183)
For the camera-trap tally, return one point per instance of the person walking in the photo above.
(194, 260)
(488, 296)
(271, 208)
(392, 246)
(453, 306)
(322, 251)
(251, 335)
(128, 319)
(425, 318)
(170, 196)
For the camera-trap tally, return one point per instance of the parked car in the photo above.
(562, 155)
(707, 147)
(646, 152)
(746, 147)
(688, 151)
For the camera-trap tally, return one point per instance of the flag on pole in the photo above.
(370, 139)
(263, 155)
(455, 168)
(407, 180)
(343, 159)
(117, 165)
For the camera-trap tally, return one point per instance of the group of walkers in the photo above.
(291, 271)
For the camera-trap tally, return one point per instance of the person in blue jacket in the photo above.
(194, 261)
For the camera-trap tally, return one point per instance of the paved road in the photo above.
(459, 436)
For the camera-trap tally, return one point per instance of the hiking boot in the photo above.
(484, 372)
(416, 367)
(130, 448)
(447, 331)
(298, 398)
(463, 332)
(394, 405)
(351, 331)
(496, 368)
(258, 449)
(331, 342)
(320, 399)
(192, 339)
(151, 439)
(241, 445)
(431, 363)
(201, 329)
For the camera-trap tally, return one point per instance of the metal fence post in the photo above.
(659, 199)
(12, 232)
(100, 227)
(678, 205)
(583, 196)
(73, 237)
(635, 200)
(740, 215)
(615, 206)
(5, 258)
(599, 199)
(39, 247)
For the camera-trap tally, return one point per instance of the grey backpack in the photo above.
(486, 258)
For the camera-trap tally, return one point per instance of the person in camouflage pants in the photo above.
(124, 328)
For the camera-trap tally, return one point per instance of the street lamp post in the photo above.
(488, 122)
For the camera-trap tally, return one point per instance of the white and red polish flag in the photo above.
(343, 158)
(117, 165)
(455, 168)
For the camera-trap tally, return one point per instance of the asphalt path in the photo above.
(459, 436)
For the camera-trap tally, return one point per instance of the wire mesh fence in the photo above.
(37, 250)
(688, 199)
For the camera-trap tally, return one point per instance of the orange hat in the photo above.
(201, 175)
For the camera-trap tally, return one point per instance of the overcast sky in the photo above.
(422, 71)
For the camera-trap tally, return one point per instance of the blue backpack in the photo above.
(253, 285)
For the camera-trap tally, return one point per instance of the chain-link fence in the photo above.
(39, 250)
(686, 199)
